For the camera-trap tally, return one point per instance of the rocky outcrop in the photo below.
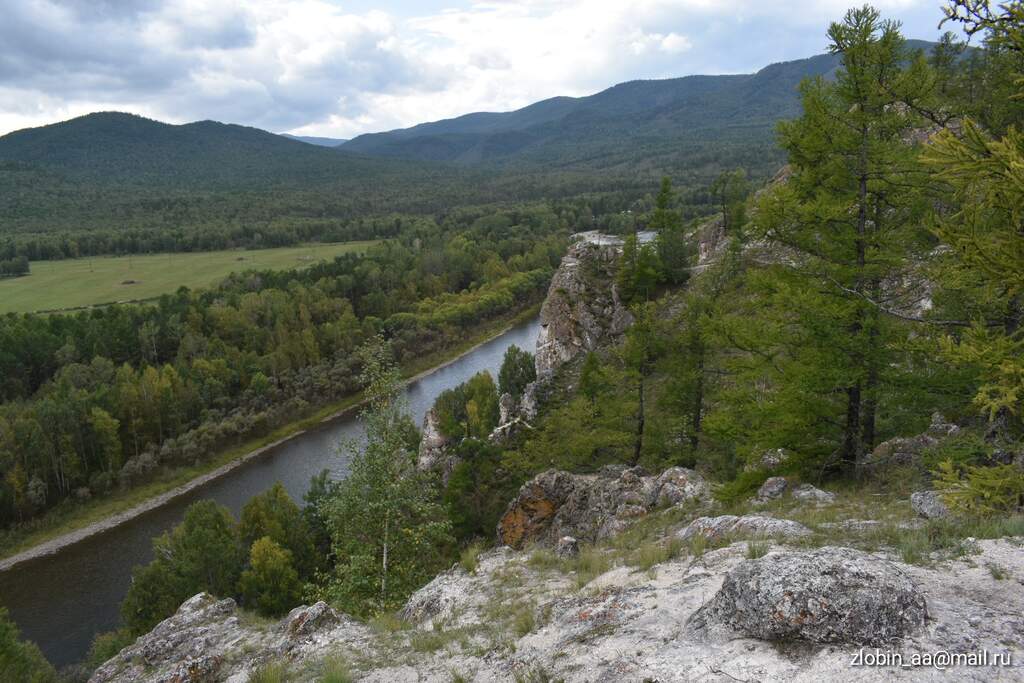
(514, 618)
(828, 595)
(590, 507)
(929, 505)
(205, 640)
(434, 454)
(582, 310)
(731, 527)
(906, 451)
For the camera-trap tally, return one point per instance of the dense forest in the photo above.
(875, 281)
(104, 398)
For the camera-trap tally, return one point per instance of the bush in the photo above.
(270, 584)
(980, 491)
(106, 646)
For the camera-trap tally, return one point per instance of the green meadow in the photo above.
(106, 279)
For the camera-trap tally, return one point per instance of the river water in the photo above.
(62, 601)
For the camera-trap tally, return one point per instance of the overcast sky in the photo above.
(336, 68)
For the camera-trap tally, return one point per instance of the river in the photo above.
(62, 601)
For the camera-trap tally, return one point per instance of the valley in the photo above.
(712, 374)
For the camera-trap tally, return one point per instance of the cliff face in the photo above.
(582, 310)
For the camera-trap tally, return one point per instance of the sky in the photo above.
(338, 69)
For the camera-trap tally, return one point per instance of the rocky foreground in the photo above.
(656, 588)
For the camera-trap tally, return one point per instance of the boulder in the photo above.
(679, 484)
(568, 547)
(812, 494)
(728, 526)
(906, 451)
(828, 595)
(929, 505)
(772, 488)
(591, 507)
(769, 460)
(506, 408)
(306, 620)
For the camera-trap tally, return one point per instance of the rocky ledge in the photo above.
(681, 597)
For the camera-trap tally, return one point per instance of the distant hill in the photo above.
(110, 170)
(313, 140)
(114, 147)
(665, 123)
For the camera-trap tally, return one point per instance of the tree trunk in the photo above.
(384, 562)
(698, 401)
(639, 443)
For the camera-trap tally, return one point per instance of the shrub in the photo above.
(470, 556)
(980, 491)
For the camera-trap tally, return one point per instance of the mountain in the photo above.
(668, 123)
(312, 140)
(114, 147)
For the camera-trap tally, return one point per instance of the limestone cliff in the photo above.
(582, 310)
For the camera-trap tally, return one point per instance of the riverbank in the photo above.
(66, 527)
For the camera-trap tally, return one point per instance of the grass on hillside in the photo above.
(96, 280)
(72, 516)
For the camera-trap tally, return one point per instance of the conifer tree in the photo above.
(820, 342)
(986, 175)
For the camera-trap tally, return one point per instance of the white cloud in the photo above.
(310, 66)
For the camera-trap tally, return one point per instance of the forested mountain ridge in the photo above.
(613, 127)
(125, 149)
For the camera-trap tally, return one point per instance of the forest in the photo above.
(877, 280)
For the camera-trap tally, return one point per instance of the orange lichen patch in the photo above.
(527, 519)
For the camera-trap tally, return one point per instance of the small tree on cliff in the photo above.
(388, 531)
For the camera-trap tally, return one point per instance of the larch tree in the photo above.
(844, 228)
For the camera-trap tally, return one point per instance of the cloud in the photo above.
(316, 67)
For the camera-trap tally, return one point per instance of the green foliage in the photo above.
(981, 491)
(478, 490)
(730, 191)
(470, 556)
(270, 672)
(271, 584)
(21, 660)
(107, 645)
(819, 364)
(671, 246)
(200, 554)
(640, 270)
(470, 409)
(274, 514)
(517, 370)
(388, 533)
(128, 391)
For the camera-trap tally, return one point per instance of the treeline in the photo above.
(107, 397)
(184, 225)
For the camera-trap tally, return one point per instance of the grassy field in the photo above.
(101, 280)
